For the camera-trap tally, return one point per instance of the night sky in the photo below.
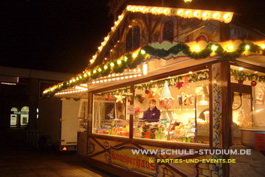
(61, 35)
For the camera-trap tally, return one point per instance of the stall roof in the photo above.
(166, 50)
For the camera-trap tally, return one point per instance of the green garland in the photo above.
(194, 77)
(128, 61)
(243, 76)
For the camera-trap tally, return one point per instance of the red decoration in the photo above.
(240, 81)
(147, 91)
(179, 84)
(253, 83)
(186, 81)
(108, 97)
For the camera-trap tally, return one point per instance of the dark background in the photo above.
(62, 35)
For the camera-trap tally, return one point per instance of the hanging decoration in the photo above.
(242, 76)
(139, 97)
(133, 59)
(166, 99)
(156, 90)
(108, 97)
(179, 84)
(119, 98)
(253, 83)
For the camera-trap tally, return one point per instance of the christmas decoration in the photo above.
(147, 91)
(240, 81)
(139, 97)
(166, 100)
(253, 83)
(156, 90)
(119, 98)
(179, 84)
(131, 60)
(108, 97)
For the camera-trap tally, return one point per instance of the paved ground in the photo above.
(20, 162)
(248, 165)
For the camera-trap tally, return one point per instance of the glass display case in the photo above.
(109, 114)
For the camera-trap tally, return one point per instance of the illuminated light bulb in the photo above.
(85, 75)
(130, 26)
(137, 8)
(263, 46)
(112, 64)
(139, 75)
(94, 71)
(109, 80)
(139, 70)
(205, 14)
(190, 72)
(89, 73)
(118, 78)
(105, 80)
(116, 22)
(141, 9)
(99, 69)
(93, 82)
(112, 28)
(214, 48)
(216, 15)
(122, 78)
(91, 61)
(186, 1)
(111, 50)
(196, 13)
(230, 48)
(105, 67)
(180, 12)
(166, 11)
(120, 16)
(126, 77)
(134, 70)
(125, 58)
(226, 16)
(97, 81)
(94, 56)
(197, 48)
(187, 13)
(134, 55)
(247, 47)
(256, 72)
(130, 76)
(106, 38)
(101, 81)
(241, 69)
(100, 48)
(143, 52)
(159, 10)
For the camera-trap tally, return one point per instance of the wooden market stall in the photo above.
(192, 65)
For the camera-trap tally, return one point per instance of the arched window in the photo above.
(133, 39)
(168, 31)
(24, 116)
(13, 117)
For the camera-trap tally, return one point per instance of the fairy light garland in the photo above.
(133, 59)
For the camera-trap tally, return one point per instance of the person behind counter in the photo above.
(152, 114)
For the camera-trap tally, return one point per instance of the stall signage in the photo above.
(123, 157)
(130, 109)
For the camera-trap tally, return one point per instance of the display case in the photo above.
(109, 114)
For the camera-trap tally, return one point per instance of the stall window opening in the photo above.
(109, 112)
(183, 102)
